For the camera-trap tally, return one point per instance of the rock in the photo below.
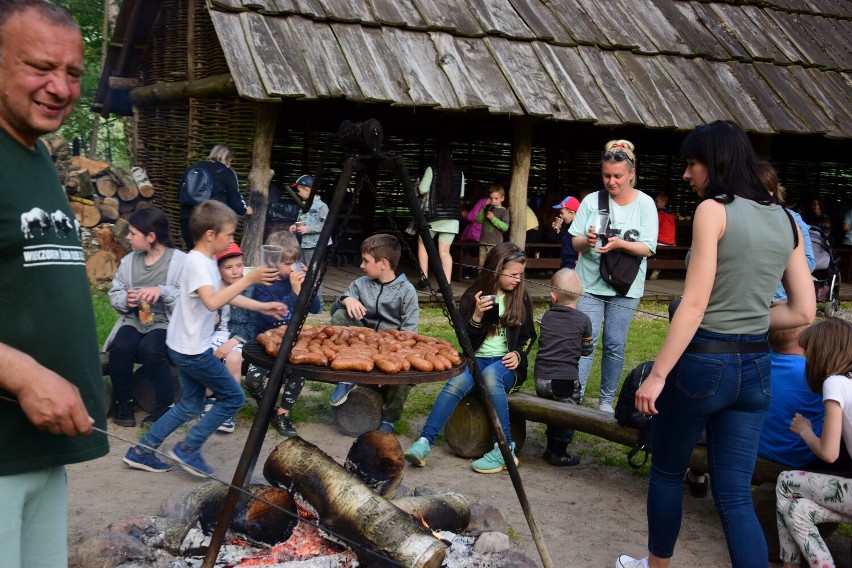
(491, 541)
(107, 551)
(517, 559)
(484, 517)
(424, 491)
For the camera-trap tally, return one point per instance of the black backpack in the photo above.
(197, 186)
(628, 417)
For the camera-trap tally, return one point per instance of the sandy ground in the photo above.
(588, 514)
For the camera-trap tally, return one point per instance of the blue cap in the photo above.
(306, 180)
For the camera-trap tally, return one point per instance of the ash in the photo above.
(460, 554)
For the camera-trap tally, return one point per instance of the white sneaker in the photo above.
(625, 561)
(606, 407)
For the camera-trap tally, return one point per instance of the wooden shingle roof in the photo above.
(770, 65)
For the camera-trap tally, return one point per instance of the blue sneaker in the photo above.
(228, 426)
(341, 393)
(418, 451)
(492, 462)
(137, 458)
(193, 462)
(386, 426)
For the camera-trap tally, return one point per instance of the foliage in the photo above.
(112, 144)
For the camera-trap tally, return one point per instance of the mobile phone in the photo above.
(489, 207)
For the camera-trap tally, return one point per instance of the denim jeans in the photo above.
(616, 313)
(728, 394)
(131, 346)
(498, 381)
(197, 373)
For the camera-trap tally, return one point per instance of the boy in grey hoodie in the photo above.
(379, 300)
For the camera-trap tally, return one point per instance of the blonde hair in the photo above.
(221, 153)
(628, 148)
(289, 244)
(828, 351)
(781, 339)
(568, 286)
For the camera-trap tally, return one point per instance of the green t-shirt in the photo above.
(45, 306)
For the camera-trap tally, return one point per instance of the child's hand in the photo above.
(296, 281)
(150, 294)
(263, 275)
(489, 215)
(800, 424)
(557, 223)
(354, 308)
(511, 360)
(223, 350)
(133, 298)
(276, 310)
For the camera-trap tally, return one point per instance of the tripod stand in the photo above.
(357, 163)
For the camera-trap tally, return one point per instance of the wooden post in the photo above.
(521, 158)
(259, 177)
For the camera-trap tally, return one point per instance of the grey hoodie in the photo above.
(389, 306)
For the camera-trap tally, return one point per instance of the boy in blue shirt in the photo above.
(188, 338)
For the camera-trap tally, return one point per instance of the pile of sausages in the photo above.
(358, 349)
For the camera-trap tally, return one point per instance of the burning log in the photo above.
(347, 507)
(444, 512)
(253, 518)
(376, 458)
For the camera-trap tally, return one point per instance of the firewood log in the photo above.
(82, 181)
(444, 512)
(120, 229)
(377, 459)
(106, 186)
(106, 241)
(101, 266)
(109, 213)
(128, 192)
(347, 507)
(86, 211)
(125, 207)
(94, 167)
(146, 188)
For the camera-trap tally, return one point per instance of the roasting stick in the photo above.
(245, 492)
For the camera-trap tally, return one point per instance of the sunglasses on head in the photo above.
(617, 156)
(515, 256)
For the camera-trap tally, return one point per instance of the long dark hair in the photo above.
(487, 282)
(152, 220)
(731, 162)
(444, 181)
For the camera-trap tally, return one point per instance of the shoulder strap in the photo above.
(793, 225)
(603, 201)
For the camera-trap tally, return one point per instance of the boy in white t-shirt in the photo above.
(188, 338)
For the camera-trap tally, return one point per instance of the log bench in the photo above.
(668, 258)
(467, 253)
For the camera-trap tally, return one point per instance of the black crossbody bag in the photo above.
(618, 268)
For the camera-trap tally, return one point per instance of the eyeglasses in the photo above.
(617, 156)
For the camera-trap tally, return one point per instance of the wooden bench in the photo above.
(467, 253)
(668, 258)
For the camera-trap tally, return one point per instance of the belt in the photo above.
(728, 347)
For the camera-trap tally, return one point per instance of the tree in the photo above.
(112, 142)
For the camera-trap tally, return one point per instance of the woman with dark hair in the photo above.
(445, 186)
(143, 292)
(226, 188)
(713, 370)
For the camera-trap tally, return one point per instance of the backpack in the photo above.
(628, 417)
(197, 186)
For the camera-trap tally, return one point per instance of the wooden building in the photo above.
(527, 90)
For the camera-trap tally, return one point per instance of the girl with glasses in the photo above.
(498, 318)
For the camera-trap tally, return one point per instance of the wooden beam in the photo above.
(208, 88)
(521, 158)
(123, 83)
(259, 177)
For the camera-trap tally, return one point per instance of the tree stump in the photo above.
(361, 412)
(468, 431)
(143, 390)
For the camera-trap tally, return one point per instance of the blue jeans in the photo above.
(728, 394)
(616, 313)
(498, 381)
(197, 373)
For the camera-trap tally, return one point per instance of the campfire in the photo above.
(314, 514)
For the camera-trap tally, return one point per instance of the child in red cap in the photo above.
(567, 209)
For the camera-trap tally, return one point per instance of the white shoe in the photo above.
(606, 407)
(625, 561)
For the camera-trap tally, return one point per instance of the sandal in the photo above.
(559, 460)
(697, 489)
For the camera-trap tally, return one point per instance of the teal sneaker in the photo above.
(418, 451)
(492, 462)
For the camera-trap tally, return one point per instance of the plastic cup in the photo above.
(270, 256)
(601, 223)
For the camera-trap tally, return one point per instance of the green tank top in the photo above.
(752, 255)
